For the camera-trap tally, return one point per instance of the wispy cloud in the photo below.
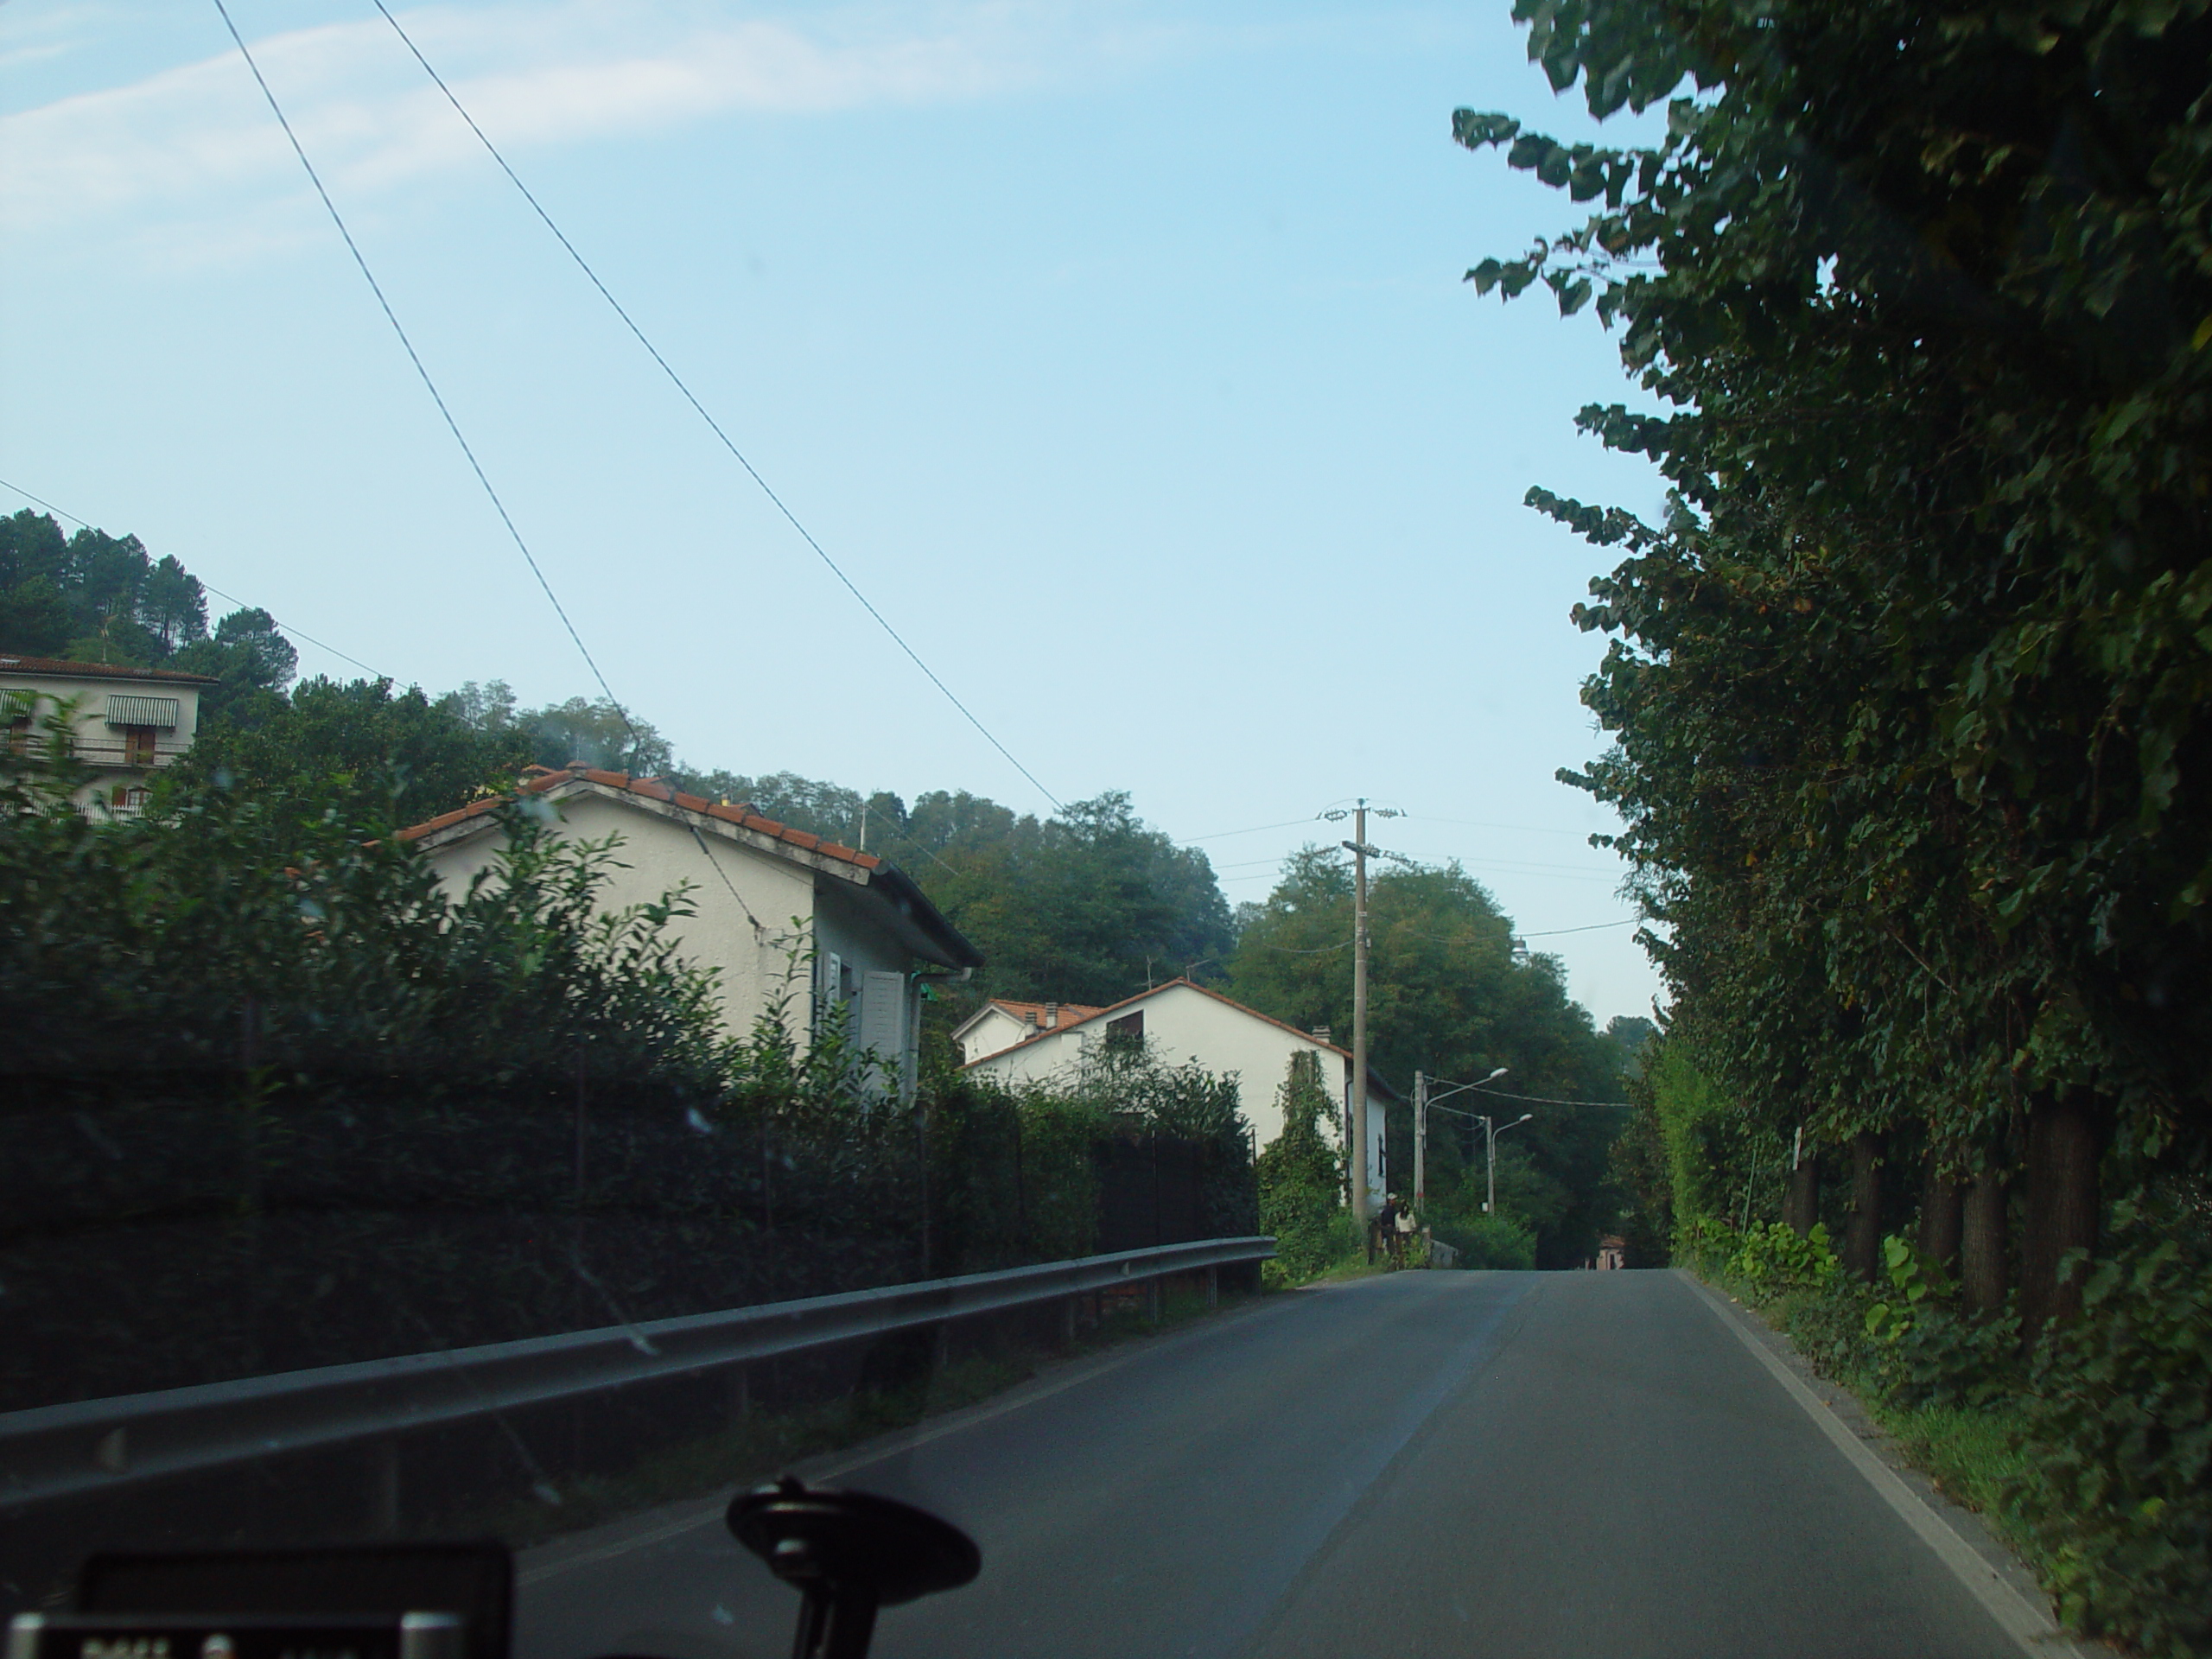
(194, 142)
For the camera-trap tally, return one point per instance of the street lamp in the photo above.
(1422, 1099)
(1491, 1130)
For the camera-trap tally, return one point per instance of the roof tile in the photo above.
(541, 778)
(63, 668)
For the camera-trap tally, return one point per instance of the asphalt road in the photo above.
(1429, 1463)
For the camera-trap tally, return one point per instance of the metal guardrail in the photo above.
(90, 1447)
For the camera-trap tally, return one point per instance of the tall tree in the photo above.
(1911, 683)
(251, 657)
(393, 757)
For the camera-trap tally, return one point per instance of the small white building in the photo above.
(765, 897)
(1002, 1022)
(1181, 1021)
(131, 723)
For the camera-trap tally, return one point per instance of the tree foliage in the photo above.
(393, 757)
(1909, 682)
(92, 596)
(1450, 993)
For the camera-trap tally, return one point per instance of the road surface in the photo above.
(1519, 1465)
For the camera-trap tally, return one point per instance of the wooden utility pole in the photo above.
(1359, 1205)
(1356, 1129)
(1421, 1140)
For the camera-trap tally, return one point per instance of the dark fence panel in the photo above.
(187, 1234)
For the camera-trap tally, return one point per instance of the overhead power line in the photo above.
(420, 369)
(282, 627)
(1224, 835)
(713, 425)
(1529, 1100)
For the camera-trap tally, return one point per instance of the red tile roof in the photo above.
(538, 779)
(61, 668)
(1071, 1014)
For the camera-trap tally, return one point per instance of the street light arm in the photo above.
(1461, 1088)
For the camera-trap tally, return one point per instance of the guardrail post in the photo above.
(384, 1488)
(1213, 1286)
(1068, 1306)
(1152, 1299)
(740, 1385)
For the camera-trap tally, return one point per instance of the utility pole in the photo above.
(1421, 1140)
(1358, 844)
(1361, 851)
(1491, 1130)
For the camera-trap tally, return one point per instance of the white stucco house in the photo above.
(1181, 1021)
(761, 890)
(131, 723)
(1003, 1022)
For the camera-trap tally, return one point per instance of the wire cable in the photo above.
(281, 627)
(1532, 1100)
(429, 384)
(713, 425)
(1224, 835)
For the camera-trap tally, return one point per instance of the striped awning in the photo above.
(142, 711)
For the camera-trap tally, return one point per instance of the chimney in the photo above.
(1320, 1034)
(1029, 1022)
(1052, 1015)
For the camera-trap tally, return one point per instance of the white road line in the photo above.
(2028, 1624)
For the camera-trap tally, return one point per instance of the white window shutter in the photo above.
(883, 1017)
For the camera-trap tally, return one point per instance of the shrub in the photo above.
(1773, 1259)
(2119, 1489)
(1495, 1240)
(1922, 1351)
(1302, 1177)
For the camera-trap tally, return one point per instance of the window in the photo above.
(1127, 1031)
(19, 734)
(138, 745)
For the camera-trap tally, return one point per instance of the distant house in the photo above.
(1181, 1021)
(762, 892)
(1002, 1022)
(131, 723)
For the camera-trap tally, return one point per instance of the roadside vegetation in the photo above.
(1908, 687)
(283, 1100)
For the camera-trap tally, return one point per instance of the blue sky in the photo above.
(1118, 351)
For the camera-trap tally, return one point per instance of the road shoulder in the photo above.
(1959, 1536)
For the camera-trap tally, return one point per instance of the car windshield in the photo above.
(1374, 824)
